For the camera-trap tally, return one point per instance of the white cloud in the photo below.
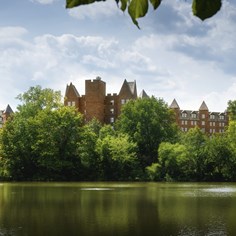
(95, 10)
(44, 2)
(10, 32)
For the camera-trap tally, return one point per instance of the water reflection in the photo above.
(36, 209)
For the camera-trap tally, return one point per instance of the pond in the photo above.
(163, 209)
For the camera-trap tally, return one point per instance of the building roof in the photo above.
(143, 94)
(129, 87)
(174, 105)
(203, 107)
(8, 110)
(132, 87)
(71, 86)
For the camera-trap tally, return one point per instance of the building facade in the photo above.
(208, 122)
(4, 114)
(107, 107)
(96, 103)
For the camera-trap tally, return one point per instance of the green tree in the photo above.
(41, 139)
(232, 109)
(118, 157)
(87, 150)
(148, 122)
(219, 158)
(174, 161)
(139, 8)
(36, 99)
(58, 133)
(195, 142)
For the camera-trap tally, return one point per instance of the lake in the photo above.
(163, 209)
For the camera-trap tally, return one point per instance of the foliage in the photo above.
(44, 140)
(232, 109)
(87, 150)
(36, 99)
(148, 122)
(118, 157)
(139, 8)
(40, 141)
(153, 172)
(174, 161)
(219, 159)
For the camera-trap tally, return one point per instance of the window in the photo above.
(203, 122)
(112, 110)
(212, 116)
(182, 122)
(112, 120)
(212, 123)
(193, 122)
(222, 117)
(184, 115)
(69, 103)
(112, 102)
(73, 103)
(194, 115)
(122, 101)
(203, 116)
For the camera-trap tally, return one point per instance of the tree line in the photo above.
(47, 141)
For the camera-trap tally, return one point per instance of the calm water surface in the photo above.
(68, 209)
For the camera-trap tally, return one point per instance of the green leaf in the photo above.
(155, 3)
(137, 9)
(123, 5)
(76, 3)
(205, 8)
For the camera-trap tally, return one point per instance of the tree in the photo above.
(58, 133)
(139, 8)
(87, 150)
(37, 99)
(40, 141)
(173, 161)
(195, 142)
(232, 109)
(118, 157)
(219, 158)
(148, 122)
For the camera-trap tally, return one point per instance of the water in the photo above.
(163, 209)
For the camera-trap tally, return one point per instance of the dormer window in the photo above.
(212, 116)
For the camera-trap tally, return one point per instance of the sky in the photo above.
(173, 55)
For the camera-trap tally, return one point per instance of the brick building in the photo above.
(4, 114)
(208, 122)
(96, 103)
(107, 107)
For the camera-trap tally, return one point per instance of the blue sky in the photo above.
(174, 55)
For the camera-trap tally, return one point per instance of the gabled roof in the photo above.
(143, 94)
(132, 86)
(174, 105)
(8, 110)
(129, 87)
(71, 86)
(203, 107)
